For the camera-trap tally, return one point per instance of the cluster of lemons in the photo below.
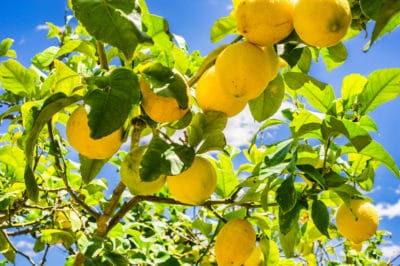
(241, 72)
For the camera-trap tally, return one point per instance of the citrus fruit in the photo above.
(195, 184)
(129, 172)
(160, 108)
(256, 258)
(358, 223)
(78, 135)
(356, 246)
(322, 23)
(244, 69)
(235, 243)
(265, 22)
(212, 97)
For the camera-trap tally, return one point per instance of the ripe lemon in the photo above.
(212, 97)
(159, 108)
(235, 243)
(359, 223)
(195, 184)
(129, 172)
(78, 135)
(322, 23)
(256, 258)
(245, 69)
(265, 22)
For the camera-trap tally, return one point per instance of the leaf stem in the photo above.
(102, 55)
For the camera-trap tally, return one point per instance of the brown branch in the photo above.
(18, 251)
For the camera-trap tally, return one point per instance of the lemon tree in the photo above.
(115, 148)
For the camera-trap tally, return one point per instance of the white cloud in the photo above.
(242, 127)
(389, 210)
(26, 247)
(397, 191)
(42, 27)
(389, 252)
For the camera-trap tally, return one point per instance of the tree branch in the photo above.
(61, 172)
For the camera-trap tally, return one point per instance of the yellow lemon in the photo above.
(129, 172)
(235, 243)
(159, 108)
(78, 135)
(195, 184)
(322, 23)
(211, 96)
(245, 69)
(265, 22)
(256, 258)
(358, 223)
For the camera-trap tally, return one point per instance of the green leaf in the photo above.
(204, 127)
(170, 158)
(278, 156)
(16, 79)
(65, 79)
(116, 259)
(304, 123)
(44, 59)
(312, 174)
(334, 56)
(166, 82)
(5, 46)
(346, 192)
(383, 85)
(269, 102)
(286, 195)
(270, 250)
(289, 241)
(52, 106)
(81, 46)
(55, 236)
(366, 179)
(89, 168)
(110, 107)
(358, 136)
(320, 216)
(203, 227)
(387, 16)
(377, 152)
(115, 22)
(352, 86)
(296, 80)
(222, 27)
(153, 24)
(226, 177)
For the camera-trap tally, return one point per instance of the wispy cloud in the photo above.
(241, 128)
(42, 27)
(26, 247)
(390, 251)
(389, 210)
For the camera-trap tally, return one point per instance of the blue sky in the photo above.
(24, 21)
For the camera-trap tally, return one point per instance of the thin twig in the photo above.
(102, 55)
(18, 251)
(61, 172)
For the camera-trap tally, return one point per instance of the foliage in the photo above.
(288, 190)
